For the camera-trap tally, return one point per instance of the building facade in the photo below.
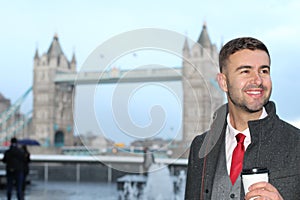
(201, 94)
(52, 103)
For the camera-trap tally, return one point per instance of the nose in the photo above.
(257, 79)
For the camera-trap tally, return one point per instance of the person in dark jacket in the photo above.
(269, 142)
(148, 160)
(26, 165)
(14, 158)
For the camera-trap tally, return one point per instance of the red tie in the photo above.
(237, 158)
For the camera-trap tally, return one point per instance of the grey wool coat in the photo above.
(275, 144)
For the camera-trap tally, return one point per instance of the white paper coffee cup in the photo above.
(254, 175)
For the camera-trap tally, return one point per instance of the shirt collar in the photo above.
(264, 114)
(246, 132)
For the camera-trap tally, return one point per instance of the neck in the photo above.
(239, 118)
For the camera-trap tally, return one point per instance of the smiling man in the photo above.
(246, 133)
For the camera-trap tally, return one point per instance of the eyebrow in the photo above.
(249, 67)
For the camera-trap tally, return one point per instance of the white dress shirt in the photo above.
(230, 141)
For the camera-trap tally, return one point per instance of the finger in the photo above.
(262, 195)
(263, 190)
(263, 185)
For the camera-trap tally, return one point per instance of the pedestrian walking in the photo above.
(14, 158)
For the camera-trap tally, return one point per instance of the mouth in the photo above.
(255, 93)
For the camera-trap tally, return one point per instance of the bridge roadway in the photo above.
(110, 162)
(120, 76)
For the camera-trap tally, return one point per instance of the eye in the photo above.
(245, 71)
(265, 71)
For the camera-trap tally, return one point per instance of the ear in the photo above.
(222, 81)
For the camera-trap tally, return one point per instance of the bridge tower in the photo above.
(201, 95)
(52, 103)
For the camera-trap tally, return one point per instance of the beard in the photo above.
(243, 104)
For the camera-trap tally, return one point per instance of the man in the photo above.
(148, 160)
(267, 141)
(14, 158)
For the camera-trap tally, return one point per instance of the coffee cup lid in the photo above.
(255, 170)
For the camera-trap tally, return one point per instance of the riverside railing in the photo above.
(109, 163)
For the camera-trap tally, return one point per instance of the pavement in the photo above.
(40, 190)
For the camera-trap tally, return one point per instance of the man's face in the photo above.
(246, 80)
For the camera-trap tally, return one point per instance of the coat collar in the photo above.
(219, 124)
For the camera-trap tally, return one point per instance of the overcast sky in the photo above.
(84, 25)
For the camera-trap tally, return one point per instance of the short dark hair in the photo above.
(239, 44)
(13, 140)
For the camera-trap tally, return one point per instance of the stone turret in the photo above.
(36, 55)
(186, 49)
(73, 63)
(204, 39)
(55, 50)
(56, 57)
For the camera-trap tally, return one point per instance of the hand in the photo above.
(263, 191)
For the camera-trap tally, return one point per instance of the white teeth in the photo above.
(254, 92)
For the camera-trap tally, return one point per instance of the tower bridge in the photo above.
(55, 80)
